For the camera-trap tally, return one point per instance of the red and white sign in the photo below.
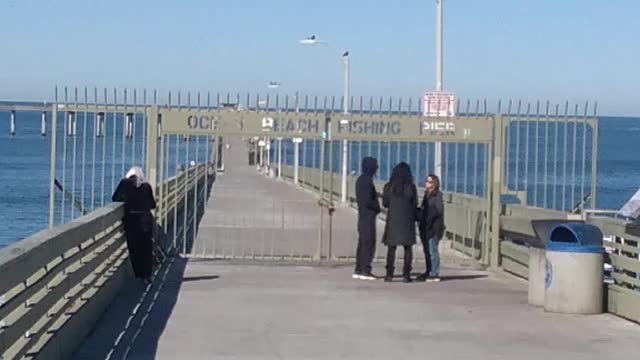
(438, 104)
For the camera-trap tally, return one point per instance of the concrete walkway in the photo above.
(224, 311)
(254, 309)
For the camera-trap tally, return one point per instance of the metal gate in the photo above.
(524, 156)
(277, 190)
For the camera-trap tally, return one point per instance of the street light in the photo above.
(345, 144)
(312, 40)
(276, 85)
(437, 154)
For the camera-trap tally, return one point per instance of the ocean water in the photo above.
(25, 166)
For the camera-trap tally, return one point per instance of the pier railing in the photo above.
(622, 241)
(56, 284)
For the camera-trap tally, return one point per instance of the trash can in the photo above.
(536, 275)
(537, 256)
(574, 270)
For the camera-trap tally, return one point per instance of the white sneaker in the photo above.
(433, 279)
(367, 277)
(356, 276)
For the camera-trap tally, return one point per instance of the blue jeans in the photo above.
(432, 256)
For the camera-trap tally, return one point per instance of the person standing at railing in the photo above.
(368, 210)
(137, 195)
(431, 226)
(399, 196)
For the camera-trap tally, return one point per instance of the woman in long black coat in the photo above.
(138, 199)
(399, 196)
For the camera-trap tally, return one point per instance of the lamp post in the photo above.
(345, 144)
(277, 85)
(437, 154)
(312, 40)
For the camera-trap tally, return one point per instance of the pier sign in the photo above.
(413, 128)
(358, 127)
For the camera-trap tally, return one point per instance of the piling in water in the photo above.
(129, 125)
(12, 125)
(99, 124)
(71, 124)
(43, 124)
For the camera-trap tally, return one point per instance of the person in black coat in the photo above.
(368, 210)
(431, 226)
(138, 199)
(400, 198)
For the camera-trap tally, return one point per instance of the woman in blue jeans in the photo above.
(431, 226)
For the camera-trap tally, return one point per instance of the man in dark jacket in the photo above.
(431, 226)
(368, 210)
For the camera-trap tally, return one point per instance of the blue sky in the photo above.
(558, 50)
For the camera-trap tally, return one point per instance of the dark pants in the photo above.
(366, 245)
(391, 259)
(138, 231)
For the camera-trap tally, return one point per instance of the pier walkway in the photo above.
(237, 296)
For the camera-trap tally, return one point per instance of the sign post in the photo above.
(438, 104)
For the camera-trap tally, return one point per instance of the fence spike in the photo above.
(586, 108)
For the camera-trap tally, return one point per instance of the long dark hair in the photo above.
(436, 182)
(400, 178)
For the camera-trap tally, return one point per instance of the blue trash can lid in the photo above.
(542, 228)
(575, 237)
